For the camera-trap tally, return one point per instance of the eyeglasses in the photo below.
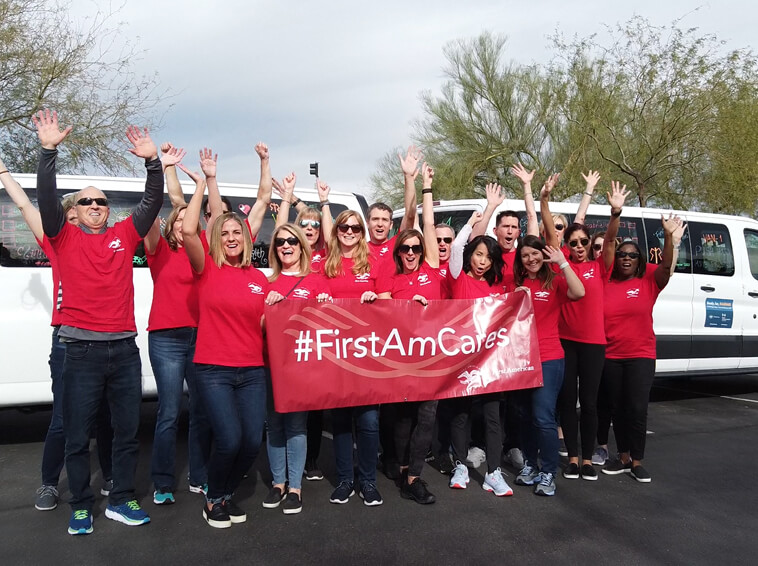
(86, 201)
(405, 248)
(630, 255)
(447, 240)
(583, 241)
(354, 228)
(559, 226)
(305, 223)
(292, 241)
(597, 247)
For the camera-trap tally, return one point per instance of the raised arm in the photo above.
(673, 230)
(170, 158)
(409, 165)
(191, 239)
(148, 208)
(526, 176)
(208, 165)
(575, 285)
(258, 210)
(18, 196)
(591, 178)
(286, 190)
(456, 250)
(432, 251)
(616, 199)
(551, 238)
(495, 197)
(326, 213)
(153, 236)
(50, 135)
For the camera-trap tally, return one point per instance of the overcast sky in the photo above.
(338, 82)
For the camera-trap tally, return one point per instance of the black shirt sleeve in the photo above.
(148, 208)
(50, 208)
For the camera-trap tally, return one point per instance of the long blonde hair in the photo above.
(333, 267)
(217, 249)
(168, 229)
(305, 252)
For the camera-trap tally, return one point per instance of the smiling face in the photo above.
(444, 247)
(507, 232)
(532, 260)
(94, 216)
(626, 267)
(481, 262)
(176, 229)
(410, 259)
(379, 222)
(598, 251)
(352, 237)
(232, 241)
(288, 252)
(579, 252)
(312, 233)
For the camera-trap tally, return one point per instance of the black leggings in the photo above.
(629, 382)
(315, 427)
(493, 432)
(584, 363)
(414, 429)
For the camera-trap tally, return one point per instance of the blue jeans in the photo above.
(235, 404)
(367, 429)
(539, 428)
(171, 353)
(91, 370)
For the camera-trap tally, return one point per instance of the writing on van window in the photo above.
(655, 255)
(712, 249)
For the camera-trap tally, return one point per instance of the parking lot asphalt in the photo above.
(700, 508)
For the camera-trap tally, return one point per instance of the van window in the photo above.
(457, 219)
(751, 242)
(655, 238)
(711, 249)
(629, 228)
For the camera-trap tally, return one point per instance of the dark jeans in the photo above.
(493, 432)
(414, 428)
(54, 451)
(584, 364)
(91, 370)
(629, 382)
(171, 353)
(235, 404)
(367, 431)
(539, 428)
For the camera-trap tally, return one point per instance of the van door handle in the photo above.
(708, 288)
(753, 294)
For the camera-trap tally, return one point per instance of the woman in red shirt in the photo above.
(630, 294)
(231, 380)
(549, 291)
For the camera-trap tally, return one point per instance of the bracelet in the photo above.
(3, 171)
(564, 265)
(295, 202)
(426, 191)
(325, 202)
(589, 194)
(616, 214)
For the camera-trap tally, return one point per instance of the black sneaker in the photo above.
(641, 474)
(343, 493)
(292, 504)
(217, 517)
(417, 491)
(616, 466)
(312, 471)
(274, 498)
(370, 495)
(571, 472)
(588, 472)
(444, 463)
(236, 515)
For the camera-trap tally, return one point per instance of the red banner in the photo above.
(342, 354)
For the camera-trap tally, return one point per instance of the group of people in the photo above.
(592, 297)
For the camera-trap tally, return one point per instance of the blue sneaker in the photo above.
(163, 497)
(528, 476)
(129, 513)
(80, 523)
(546, 485)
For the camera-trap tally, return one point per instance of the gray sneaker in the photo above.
(546, 485)
(600, 456)
(515, 458)
(527, 476)
(47, 498)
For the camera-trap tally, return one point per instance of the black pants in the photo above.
(414, 428)
(584, 364)
(387, 418)
(315, 428)
(629, 382)
(510, 416)
(492, 429)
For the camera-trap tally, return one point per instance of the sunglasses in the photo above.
(447, 240)
(405, 248)
(86, 201)
(582, 241)
(597, 247)
(559, 226)
(354, 228)
(292, 241)
(312, 223)
(630, 255)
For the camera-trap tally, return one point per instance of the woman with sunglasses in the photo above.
(292, 279)
(231, 379)
(549, 292)
(630, 295)
(351, 276)
(582, 333)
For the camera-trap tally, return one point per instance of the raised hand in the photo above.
(208, 162)
(674, 226)
(555, 255)
(549, 185)
(277, 187)
(166, 147)
(427, 174)
(289, 184)
(172, 155)
(591, 178)
(617, 196)
(50, 135)
(476, 217)
(495, 194)
(194, 175)
(262, 150)
(522, 173)
(323, 190)
(143, 144)
(409, 163)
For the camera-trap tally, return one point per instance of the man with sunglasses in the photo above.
(97, 321)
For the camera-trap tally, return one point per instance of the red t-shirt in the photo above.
(310, 287)
(231, 303)
(466, 287)
(318, 258)
(509, 258)
(629, 316)
(426, 281)
(96, 274)
(351, 286)
(547, 310)
(381, 256)
(447, 280)
(57, 290)
(174, 288)
(583, 320)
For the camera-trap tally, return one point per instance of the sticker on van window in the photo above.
(718, 313)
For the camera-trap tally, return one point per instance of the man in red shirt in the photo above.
(97, 321)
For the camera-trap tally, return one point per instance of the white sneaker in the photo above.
(459, 479)
(495, 483)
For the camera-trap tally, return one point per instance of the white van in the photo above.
(706, 319)
(26, 301)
